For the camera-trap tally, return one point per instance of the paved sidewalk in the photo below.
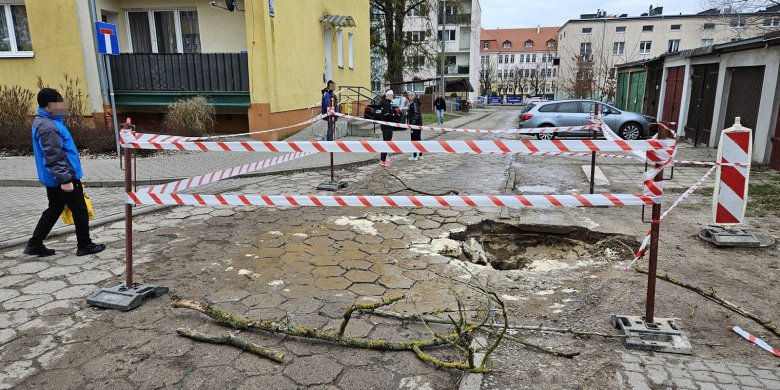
(105, 172)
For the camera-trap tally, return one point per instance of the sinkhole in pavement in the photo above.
(516, 246)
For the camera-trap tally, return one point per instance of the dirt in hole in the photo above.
(509, 247)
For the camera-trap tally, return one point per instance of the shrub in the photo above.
(189, 117)
(15, 122)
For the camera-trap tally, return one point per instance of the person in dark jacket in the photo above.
(330, 99)
(59, 170)
(440, 105)
(389, 114)
(414, 117)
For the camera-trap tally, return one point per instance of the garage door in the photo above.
(744, 96)
(674, 85)
(704, 82)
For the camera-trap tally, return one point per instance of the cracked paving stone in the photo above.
(301, 305)
(367, 289)
(90, 277)
(46, 325)
(356, 264)
(6, 294)
(396, 281)
(76, 291)
(344, 235)
(228, 295)
(220, 377)
(359, 276)
(275, 382)
(7, 335)
(346, 245)
(319, 271)
(27, 302)
(313, 370)
(12, 374)
(10, 319)
(223, 213)
(332, 283)
(54, 272)
(369, 239)
(368, 378)
(263, 301)
(151, 374)
(59, 308)
(46, 287)
(427, 224)
(420, 275)
(321, 241)
(28, 268)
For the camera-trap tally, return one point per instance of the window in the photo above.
(529, 43)
(674, 45)
(585, 51)
(533, 57)
(340, 47)
(507, 44)
(676, 27)
(164, 31)
(620, 29)
(485, 45)
(500, 59)
(647, 28)
(587, 30)
(416, 62)
(549, 108)
(618, 48)
(351, 50)
(549, 72)
(415, 36)
(707, 42)
(737, 22)
(644, 47)
(708, 26)
(551, 43)
(527, 73)
(511, 59)
(482, 60)
(569, 107)
(449, 35)
(14, 31)
(772, 22)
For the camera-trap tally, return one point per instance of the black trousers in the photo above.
(387, 135)
(58, 199)
(417, 136)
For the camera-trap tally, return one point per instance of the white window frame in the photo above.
(671, 28)
(710, 40)
(590, 30)
(645, 49)
(620, 32)
(669, 46)
(621, 45)
(351, 50)
(14, 53)
(340, 47)
(485, 45)
(153, 29)
(529, 43)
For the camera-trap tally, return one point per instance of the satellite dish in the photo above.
(230, 5)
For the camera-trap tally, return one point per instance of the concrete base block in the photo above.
(663, 335)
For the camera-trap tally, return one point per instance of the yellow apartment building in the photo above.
(262, 65)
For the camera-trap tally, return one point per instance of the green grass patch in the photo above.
(764, 197)
(430, 119)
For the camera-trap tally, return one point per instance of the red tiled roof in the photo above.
(517, 37)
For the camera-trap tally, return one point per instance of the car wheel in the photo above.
(630, 131)
(545, 136)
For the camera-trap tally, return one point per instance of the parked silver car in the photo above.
(560, 113)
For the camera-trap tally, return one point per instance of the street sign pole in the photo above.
(113, 106)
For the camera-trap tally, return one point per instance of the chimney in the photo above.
(538, 29)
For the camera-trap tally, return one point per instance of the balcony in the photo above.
(160, 79)
(455, 69)
(455, 19)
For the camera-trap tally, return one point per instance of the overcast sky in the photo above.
(530, 13)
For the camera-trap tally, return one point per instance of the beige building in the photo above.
(519, 61)
(591, 46)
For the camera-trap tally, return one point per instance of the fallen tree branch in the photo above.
(713, 296)
(238, 342)
(363, 308)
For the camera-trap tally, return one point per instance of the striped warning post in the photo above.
(510, 201)
(755, 340)
(731, 185)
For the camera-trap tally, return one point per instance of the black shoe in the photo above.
(91, 249)
(38, 250)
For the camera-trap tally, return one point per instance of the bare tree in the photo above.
(516, 75)
(744, 18)
(391, 42)
(579, 83)
(487, 76)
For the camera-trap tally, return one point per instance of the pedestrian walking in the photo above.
(59, 170)
(389, 114)
(414, 117)
(440, 105)
(330, 99)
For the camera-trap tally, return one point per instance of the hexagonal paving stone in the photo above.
(332, 283)
(27, 302)
(223, 213)
(344, 235)
(361, 276)
(301, 305)
(319, 241)
(30, 267)
(374, 378)
(275, 382)
(369, 239)
(420, 275)
(351, 255)
(346, 245)
(396, 281)
(313, 370)
(356, 264)
(44, 287)
(89, 277)
(427, 224)
(228, 295)
(367, 289)
(319, 272)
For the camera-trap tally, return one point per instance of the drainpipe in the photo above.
(101, 70)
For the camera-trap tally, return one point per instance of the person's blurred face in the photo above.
(331, 86)
(58, 108)
(389, 95)
(411, 96)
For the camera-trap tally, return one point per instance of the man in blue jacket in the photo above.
(330, 99)
(59, 170)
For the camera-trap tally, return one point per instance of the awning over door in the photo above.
(338, 20)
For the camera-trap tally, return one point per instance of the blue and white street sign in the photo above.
(107, 40)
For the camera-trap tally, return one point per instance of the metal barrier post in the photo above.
(128, 216)
(655, 226)
(593, 154)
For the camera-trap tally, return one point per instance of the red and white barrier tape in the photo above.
(755, 340)
(181, 185)
(535, 130)
(685, 195)
(511, 201)
(657, 148)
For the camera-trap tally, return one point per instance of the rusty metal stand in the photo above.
(648, 332)
(129, 295)
(330, 135)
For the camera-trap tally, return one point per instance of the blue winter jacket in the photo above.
(56, 156)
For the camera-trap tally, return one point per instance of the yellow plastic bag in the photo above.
(67, 215)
